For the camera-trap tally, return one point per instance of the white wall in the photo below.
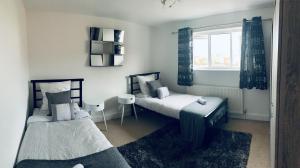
(59, 48)
(164, 52)
(14, 79)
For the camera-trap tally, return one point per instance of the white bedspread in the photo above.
(62, 140)
(169, 106)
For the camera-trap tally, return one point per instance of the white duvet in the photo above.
(62, 140)
(169, 106)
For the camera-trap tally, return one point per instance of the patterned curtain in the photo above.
(185, 57)
(253, 61)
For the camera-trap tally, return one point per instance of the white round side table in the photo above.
(127, 99)
(95, 106)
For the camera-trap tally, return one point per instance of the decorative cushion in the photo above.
(163, 92)
(81, 114)
(68, 111)
(61, 112)
(54, 87)
(58, 98)
(153, 86)
(142, 83)
(75, 109)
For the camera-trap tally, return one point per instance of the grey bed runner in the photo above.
(110, 158)
(192, 119)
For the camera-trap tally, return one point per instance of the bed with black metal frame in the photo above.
(75, 90)
(135, 89)
(87, 131)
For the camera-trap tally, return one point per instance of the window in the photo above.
(217, 49)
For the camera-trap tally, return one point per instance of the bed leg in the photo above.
(132, 110)
(226, 117)
(226, 114)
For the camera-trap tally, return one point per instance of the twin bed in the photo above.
(197, 121)
(64, 144)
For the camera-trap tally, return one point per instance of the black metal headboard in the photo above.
(36, 90)
(134, 84)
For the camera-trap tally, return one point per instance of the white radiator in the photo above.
(235, 95)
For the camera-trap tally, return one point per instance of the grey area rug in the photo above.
(164, 148)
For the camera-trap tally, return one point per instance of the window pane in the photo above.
(200, 50)
(220, 50)
(236, 48)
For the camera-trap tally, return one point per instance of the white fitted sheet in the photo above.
(169, 106)
(62, 140)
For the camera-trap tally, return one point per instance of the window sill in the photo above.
(216, 69)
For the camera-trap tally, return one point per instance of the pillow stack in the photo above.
(143, 83)
(60, 105)
(54, 87)
(57, 100)
(151, 87)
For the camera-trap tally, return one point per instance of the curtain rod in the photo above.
(196, 28)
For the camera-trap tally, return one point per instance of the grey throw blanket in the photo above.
(110, 158)
(192, 119)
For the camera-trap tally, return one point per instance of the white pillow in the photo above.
(163, 92)
(75, 109)
(143, 83)
(81, 114)
(61, 112)
(75, 106)
(54, 87)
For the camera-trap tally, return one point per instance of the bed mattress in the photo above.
(195, 118)
(172, 105)
(62, 140)
(169, 106)
(63, 144)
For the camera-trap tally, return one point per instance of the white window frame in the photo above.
(216, 32)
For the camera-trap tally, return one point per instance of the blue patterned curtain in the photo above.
(185, 57)
(253, 61)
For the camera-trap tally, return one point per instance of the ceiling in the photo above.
(148, 12)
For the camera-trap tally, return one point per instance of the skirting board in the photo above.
(109, 115)
(114, 114)
(247, 116)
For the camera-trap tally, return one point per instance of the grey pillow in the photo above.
(58, 98)
(153, 86)
(163, 92)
